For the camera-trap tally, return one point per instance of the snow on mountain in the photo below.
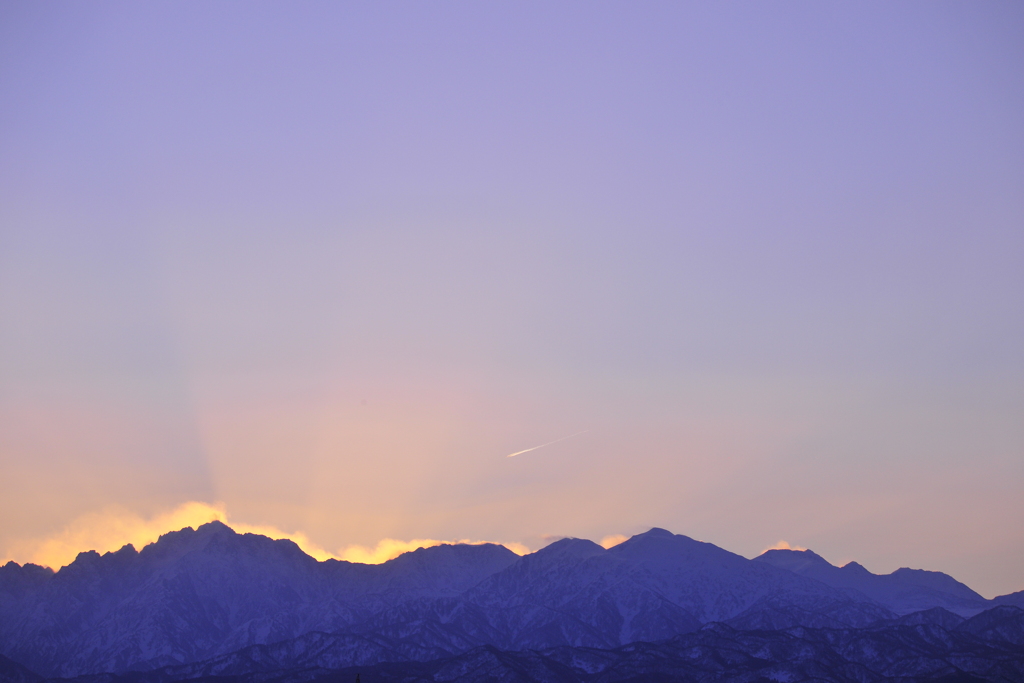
(716, 585)
(904, 591)
(1015, 599)
(574, 592)
(986, 648)
(210, 595)
(936, 616)
(198, 593)
(1003, 623)
(12, 672)
(440, 571)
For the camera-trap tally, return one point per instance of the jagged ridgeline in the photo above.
(212, 602)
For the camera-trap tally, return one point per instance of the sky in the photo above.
(319, 268)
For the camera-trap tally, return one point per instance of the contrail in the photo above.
(546, 444)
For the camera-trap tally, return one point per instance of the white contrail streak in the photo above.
(546, 444)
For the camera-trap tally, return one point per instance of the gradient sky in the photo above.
(323, 266)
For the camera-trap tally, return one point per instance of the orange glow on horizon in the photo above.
(783, 545)
(612, 541)
(114, 527)
(390, 548)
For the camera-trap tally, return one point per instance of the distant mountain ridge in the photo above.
(904, 591)
(198, 595)
(935, 646)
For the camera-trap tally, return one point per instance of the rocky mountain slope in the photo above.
(903, 591)
(1015, 599)
(195, 594)
(211, 595)
(915, 648)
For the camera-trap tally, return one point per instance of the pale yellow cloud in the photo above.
(390, 548)
(783, 545)
(613, 540)
(113, 527)
(517, 548)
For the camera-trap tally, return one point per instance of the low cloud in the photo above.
(390, 548)
(612, 541)
(113, 527)
(783, 545)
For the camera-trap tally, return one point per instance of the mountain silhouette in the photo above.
(210, 601)
(904, 591)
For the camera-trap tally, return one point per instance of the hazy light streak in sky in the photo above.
(512, 455)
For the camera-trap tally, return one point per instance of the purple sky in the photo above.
(329, 264)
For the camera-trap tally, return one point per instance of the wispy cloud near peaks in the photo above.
(390, 548)
(114, 527)
(783, 545)
(612, 541)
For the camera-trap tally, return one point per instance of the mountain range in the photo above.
(209, 601)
